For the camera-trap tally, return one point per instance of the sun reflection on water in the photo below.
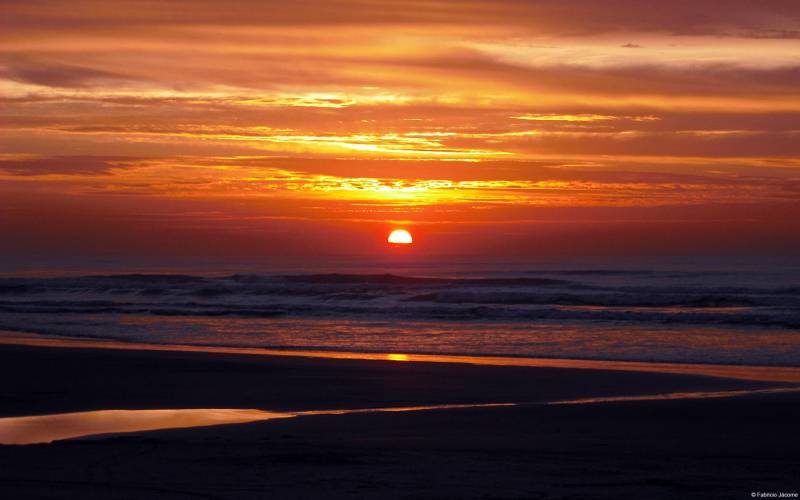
(397, 357)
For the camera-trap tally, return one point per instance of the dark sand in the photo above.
(699, 448)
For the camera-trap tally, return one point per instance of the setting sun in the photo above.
(400, 237)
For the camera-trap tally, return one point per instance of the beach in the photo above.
(387, 249)
(709, 447)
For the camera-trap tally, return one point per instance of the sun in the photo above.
(400, 237)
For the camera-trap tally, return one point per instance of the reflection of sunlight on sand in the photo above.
(739, 372)
(678, 395)
(47, 428)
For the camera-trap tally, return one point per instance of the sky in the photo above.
(486, 128)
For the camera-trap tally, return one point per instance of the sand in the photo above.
(687, 448)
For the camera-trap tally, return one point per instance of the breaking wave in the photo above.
(610, 312)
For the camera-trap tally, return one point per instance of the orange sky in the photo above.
(524, 128)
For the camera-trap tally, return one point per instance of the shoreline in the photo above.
(784, 374)
(104, 375)
(625, 444)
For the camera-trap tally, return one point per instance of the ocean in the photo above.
(693, 311)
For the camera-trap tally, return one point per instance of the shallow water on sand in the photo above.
(48, 428)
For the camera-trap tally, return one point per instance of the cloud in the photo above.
(62, 165)
(776, 18)
(552, 117)
(52, 74)
(407, 182)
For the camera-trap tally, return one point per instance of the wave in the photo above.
(771, 318)
(393, 279)
(601, 296)
(702, 300)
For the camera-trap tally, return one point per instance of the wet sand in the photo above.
(703, 448)
(742, 372)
